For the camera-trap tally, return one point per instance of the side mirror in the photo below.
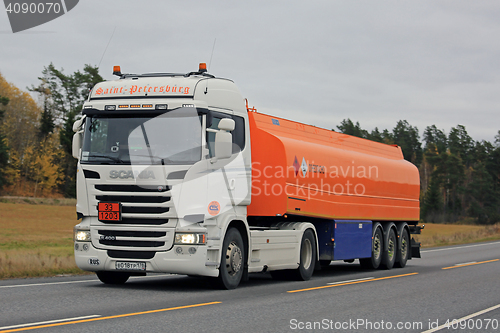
(224, 139)
(77, 144)
(77, 137)
(226, 124)
(78, 124)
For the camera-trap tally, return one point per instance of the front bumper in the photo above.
(178, 260)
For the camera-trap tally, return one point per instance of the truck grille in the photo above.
(134, 199)
(133, 233)
(131, 188)
(142, 221)
(131, 243)
(148, 204)
(148, 218)
(116, 238)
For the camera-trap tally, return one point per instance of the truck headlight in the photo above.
(195, 238)
(81, 235)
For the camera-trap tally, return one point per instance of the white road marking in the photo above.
(79, 281)
(48, 322)
(464, 318)
(459, 247)
(466, 263)
(46, 284)
(368, 278)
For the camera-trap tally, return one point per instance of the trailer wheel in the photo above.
(403, 250)
(232, 260)
(377, 248)
(112, 277)
(389, 257)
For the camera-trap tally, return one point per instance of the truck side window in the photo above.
(238, 133)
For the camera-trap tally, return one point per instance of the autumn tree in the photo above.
(19, 127)
(63, 96)
(4, 150)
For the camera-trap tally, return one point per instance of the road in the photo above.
(447, 283)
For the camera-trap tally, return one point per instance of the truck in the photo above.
(177, 174)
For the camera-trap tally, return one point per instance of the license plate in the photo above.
(109, 211)
(130, 265)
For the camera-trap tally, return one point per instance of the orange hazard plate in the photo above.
(109, 211)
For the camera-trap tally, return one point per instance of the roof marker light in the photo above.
(161, 106)
(117, 70)
(110, 107)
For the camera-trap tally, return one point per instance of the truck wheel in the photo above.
(307, 261)
(377, 247)
(232, 260)
(112, 277)
(307, 256)
(403, 249)
(389, 257)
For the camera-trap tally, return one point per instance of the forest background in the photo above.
(459, 177)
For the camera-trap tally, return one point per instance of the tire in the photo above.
(377, 248)
(307, 261)
(403, 249)
(112, 277)
(389, 257)
(307, 256)
(232, 262)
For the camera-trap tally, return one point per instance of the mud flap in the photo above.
(415, 249)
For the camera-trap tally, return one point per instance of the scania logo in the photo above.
(124, 174)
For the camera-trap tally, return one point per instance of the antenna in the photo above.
(211, 55)
(209, 63)
(98, 66)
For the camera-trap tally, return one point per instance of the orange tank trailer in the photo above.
(299, 169)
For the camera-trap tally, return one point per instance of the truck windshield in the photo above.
(174, 137)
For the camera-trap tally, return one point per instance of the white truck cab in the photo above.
(164, 179)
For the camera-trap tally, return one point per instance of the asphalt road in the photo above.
(460, 282)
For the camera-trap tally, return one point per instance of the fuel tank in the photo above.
(305, 170)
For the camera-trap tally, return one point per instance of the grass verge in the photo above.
(436, 234)
(36, 240)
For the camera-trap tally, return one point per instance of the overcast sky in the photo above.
(318, 62)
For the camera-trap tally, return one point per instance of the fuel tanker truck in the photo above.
(176, 174)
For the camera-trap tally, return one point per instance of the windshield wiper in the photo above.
(163, 160)
(115, 159)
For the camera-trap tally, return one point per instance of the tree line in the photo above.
(460, 177)
(36, 136)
